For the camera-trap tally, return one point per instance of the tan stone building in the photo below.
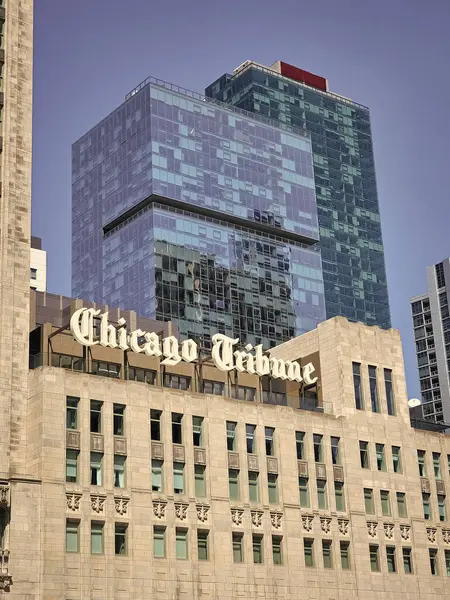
(191, 482)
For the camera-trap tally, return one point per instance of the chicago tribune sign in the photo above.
(252, 360)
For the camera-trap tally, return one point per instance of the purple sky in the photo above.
(389, 55)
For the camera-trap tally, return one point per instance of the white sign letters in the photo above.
(224, 356)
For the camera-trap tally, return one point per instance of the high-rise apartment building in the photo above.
(344, 172)
(190, 210)
(431, 322)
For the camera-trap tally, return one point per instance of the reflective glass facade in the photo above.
(350, 231)
(188, 209)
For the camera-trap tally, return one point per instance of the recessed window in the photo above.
(119, 419)
(368, 501)
(300, 444)
(72, 537)
(277, 549)
(176, 382)
(447, 562)
(303, 487)
(421, 462)
(272, 480)
(159, 542)
(397, 459)
(335, 456)
(253, 486)
(318, 451)
(202, 545)
(339, 496)
(233, 484)
(177, 431)
(373, 389)
(269, 434)
(181, 543)
(178, 478)
(426, 506)
(242, 392)
(374, 558)
(96, 416)
(155, 425)
(213, 387)
(231, 436)
(322, 494)
(197, 430)
(238, 550)
(200, 481)
(96, 537)
(390, 559)
(120, 539)
(308, 550)
(385, 503)
(72, 412)
(250, 437)
(434, 565)
(327, 554)
(345, 554)
(437, 465)
(381, 462)
(441, 508)
(364, 455)
(72, 465)
(157, 475)
(258, 553)
(389, 392)
(33, 273)
(96, 468)
(401, 505)
(407, 560)
(119, 471)
(357, 386)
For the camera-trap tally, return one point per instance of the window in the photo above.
(357, 386)
(238, 551)
(241, 392)
(33, 273)
(364, 454)
(336, 459)
(120, 539)
(96, 416)
(434, 566)
(345, 554)
(181, 543)
(176, 382)
(421, 462)
(304, 491)
(253, 486)
(96, 468)
(322, 494)
(401, 505)
(397, 459)
(374, 558)
(159, 542)
(373, 389)
(308, 549)
(300, 444)
(447, 562)
(327, 554)
(178, 478)
(250, 436)
(441, 507)
(258, 556)
(407, 560)
(143, 375)
(389, 392)
(381, 463)
(72, 412)
(105, 369)
(273, 488)
(339, 496)
(233, 484)
(72, 538)
(197, 430)
(155, 425)
(119, 419)
(157, 475)
(231, 436)
(390, 559)
(437, 465)
(72, 465)
(200, 483)
(213, 387)
(96, 538)
(119, 471)
(177, 433)
(368, 501)
(269, 433)
(277, 550)
(318, 457)
(202, 544)
(385, 503)
(426, 506)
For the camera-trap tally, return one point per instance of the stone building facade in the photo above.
(145, 490)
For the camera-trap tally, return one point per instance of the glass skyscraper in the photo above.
(187, 209)
(344, 171)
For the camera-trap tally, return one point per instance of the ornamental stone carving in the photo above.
(307, 521)
(372, 528)
(257, 516)
(4, 496)
(388, 530)
(202, 512)
(73, 500)
(446, 535)
(181, 510)
(275, 519)
(237, 515)
(431, 534)
(98, 503)
(343, 526)
(121, 505)
(325, 524)
(5, 581)
(405, 531)
(159, 508)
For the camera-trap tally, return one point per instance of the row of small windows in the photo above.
(373, 387)
(364, 455)
(402, 511)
